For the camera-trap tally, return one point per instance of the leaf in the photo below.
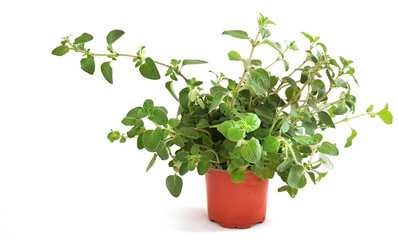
(206, 156)
(237, 174)
(350, 138)
(137, 113)
(258, 81)
(113, 136)
(251, 151)
(284, 165)
(149, 69)
(173, 122)
(106, 70)
(385, 115)
(152, 162)
(60, 50)
(158, 117)
(161, 150)
(325, 161)
(292, 191)
(308, 36)
(370, 108)
(113, 36)
(203, 123)
(256, 62)
(192, 61)
(148, 105)
(216, 101)
(236, 34)
(183, 168)
(224, 127)
(305, 140)
(296, 178)
(191, 165)
(151, 139)
(309, 127)
(178, 141)
(266, 41)
(326, 119)
(270, 144)
(264, 172)
(285, 126)
(235, 134)
(203, 167)
(169, 86)
(87, 64)
(234, 56)
(174, 185)
(252, 122)
(85, 37)
(286, 64)
(189, 132)
(328, 148)
(291, 82)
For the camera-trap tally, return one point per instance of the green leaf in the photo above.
(192, 62)
(158, 116)
(385, 115)
(258, 81)
(169, 86)
(113, 136)
(305, 140)
(292, 191)
(264, 172)
(161, 150)
(284, 165)
(203, 167)
(106, 70)
(286, 64)
(285, 126)
(267, 41)
(174, 185)
(325, 161)
(203, 123)
(237, 174)
(270, 144)
(234, 56)
(87, 64)
(309, 127)
(235, 134)
(137, 113)
(251, 151)
(256, 62)
(328, 148)
(216, 101)
(291, 82)
(140, 144)
(178, 141)
(183, 168)
(152, 162)
(60, 50)
(206, 156)
(308, 36)
(370, 108)
(236, 34)
(151, 139)
(224, 127)
(350, 138)
(189, 132)
(113, 36)
(133, 132)
(148, 105)
(296, 178)
(252, 122)
(85, 37)
(149, 69)
(191, 165)
(173, 122)
(326, 119)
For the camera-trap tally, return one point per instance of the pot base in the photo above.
(238, 226)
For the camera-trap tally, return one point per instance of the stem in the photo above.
(245, 69)
(348, 119)
(277, 60)
(292, 152)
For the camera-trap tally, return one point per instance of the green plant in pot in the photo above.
(246, 129)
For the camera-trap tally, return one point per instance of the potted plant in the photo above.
(247, 128)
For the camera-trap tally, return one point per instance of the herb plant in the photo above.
(257, 122)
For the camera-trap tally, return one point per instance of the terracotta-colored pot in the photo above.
(236, 205)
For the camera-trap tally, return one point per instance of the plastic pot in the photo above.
(236, 205)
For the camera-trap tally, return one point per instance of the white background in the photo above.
(60, 178)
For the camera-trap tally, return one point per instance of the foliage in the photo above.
(260, 122)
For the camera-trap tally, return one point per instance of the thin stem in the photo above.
(292, 152)
(277, 60)
(360, 115)
(245, 69)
